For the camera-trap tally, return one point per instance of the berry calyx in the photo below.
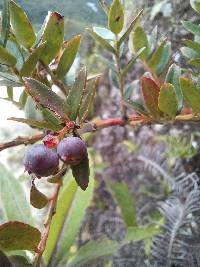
(41, 161)
(72, 150)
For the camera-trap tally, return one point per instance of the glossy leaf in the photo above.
(125, 36)
(68, 56)
(89, 99)
(191, 27)
(191, 94)
(75, 94)
(173, 75)
(160, 58)
(46, 98)
(94, 250)
(21, 26)
(66, 222)
(5, 22)
(105, 44)
(150, 91)
(37, 124)
(116, 17)
(16, 236)
(37, 199)
(104, 33)
(4, 260)
(30, 63)
(167, 100)
(125, 201)
(195, 5)
(53, 36)
(6, 57)
(140, 40)
(13, 200)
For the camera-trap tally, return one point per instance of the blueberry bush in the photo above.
(63, 114)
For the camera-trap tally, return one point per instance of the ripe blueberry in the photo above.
(41, 161)
(72, 150)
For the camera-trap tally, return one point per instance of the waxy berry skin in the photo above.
(41, 161)
(72, 150)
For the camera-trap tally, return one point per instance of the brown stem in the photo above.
(47, 225)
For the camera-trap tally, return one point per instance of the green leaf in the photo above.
(7, 79)
(23, 98)
(30, 63)
(94, 250)
(86, 104)
(101, 41)
(46, 98)
(19, 261)
(16, 236)
(195, 62)
(53, 36)
(21, 26)
(37, 199)
(136, 234)
(5, 22)
(9, 92)
(6, 57)
(50, 116)
(191, 27)
(189, 53)
(150, 91)
(160, 58)
(116, 17)
(68, 56)
(125, 201)
(31, 113)
(81, 173)
(104, 33)
(173, 75)
(75, 94)
(13, 200)
(195, 4)
(137, 107)
(38, 124)
(191, 94)
(193, 45)
(140, 40)
(167, 101)
(125, 36)
(4, 260)
(70, 212)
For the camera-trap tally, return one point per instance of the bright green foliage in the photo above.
(191, 94)
(167, 100)
(21, 26)
(116, 17)
(140, 40)
(20, 234)
(68, 56)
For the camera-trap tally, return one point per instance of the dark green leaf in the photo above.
(50, 116)
(125, 36)
(68, 56)
(16, 236)
(101, 41)
(21, 26)
(195, 62)
(19, 261)
(30, 63)
(193, 45)
(116, 17)
(46, 98)
(53, 36)
(4, 260)
(167, 100)
(6, 57)
(191, 27)
(5, 22)
(125, 201)
(140, 40)
(13, 200)
(81, 173)
(138, 107)
(75, 94)
(37, 199)
(191, 94)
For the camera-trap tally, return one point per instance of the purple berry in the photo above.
(41, 161)
(72, 150)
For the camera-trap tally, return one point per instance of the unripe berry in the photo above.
(41, 161)
(72, 150)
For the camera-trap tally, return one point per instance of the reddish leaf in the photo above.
(81, 173)
(16, 236)
(150, 91)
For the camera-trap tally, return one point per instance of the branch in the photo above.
(47, 225)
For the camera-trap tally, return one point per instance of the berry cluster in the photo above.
(42, 161)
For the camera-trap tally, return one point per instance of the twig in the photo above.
(47, 225)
